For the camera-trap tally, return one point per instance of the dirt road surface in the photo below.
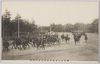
(65, 51)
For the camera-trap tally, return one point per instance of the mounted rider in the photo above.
(85, 37)
(5, 45)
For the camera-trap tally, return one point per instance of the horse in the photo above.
(85, 37)
(31, 42)
(17, 43)
(58, 40)
(40, 43)
(34, 41)
(62, 37)
(77, 37)
(5, 46)
(67, 38)
(25, 44)
(43, 42)
(13, 44)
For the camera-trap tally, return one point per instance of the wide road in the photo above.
(65, 51)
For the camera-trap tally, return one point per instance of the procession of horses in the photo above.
(42, 41)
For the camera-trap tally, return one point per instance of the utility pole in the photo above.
(50, 28)
(18, 27)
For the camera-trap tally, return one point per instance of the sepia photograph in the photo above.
(50, 31)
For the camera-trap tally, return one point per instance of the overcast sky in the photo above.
(45, 13)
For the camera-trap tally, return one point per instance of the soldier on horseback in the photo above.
(62, 37)
(85, 37)
(77, 37)
(5, 46)
(67, 38)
